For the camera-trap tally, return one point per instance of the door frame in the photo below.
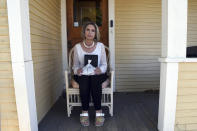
(64, 39)
(111, 35)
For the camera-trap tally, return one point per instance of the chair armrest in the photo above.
(111, 72)
(111, 78)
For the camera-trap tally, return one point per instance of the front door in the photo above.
(81, 11)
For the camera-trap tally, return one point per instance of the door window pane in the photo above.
(87, 10)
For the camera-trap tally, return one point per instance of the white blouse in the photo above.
(78, 61)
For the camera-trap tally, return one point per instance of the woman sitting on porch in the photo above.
(89, 68)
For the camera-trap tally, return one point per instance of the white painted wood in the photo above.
(174, 28)
(178, 60)
(64, 37)
(111, 14)
(14, 14)
(25, 96)
(22, 65)
(174, 36)
(168, 96)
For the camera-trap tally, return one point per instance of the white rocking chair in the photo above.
(72, 94)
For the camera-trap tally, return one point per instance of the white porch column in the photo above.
(22, 64)
(174, 38)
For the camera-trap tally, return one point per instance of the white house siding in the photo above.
(186, 110)
(45, 27)
(192, 23)
(8, 111)
(138, 44)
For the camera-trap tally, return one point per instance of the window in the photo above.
(87, 10)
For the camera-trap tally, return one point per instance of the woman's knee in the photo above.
(83, 80)
(98, 79)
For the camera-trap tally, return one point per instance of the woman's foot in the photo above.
(99, 120)
(84, 119)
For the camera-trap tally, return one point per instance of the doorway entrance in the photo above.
(82, 11)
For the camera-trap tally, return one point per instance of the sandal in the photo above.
(99, 120)
(84, 119)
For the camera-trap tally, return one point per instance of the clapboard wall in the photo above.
(8, 110)
(137, 44)
(192, 23)
(186, 110)
(45, 28)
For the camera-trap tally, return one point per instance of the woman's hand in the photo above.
(79, 71)
(97, 71)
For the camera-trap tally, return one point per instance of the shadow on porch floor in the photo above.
(132, 112)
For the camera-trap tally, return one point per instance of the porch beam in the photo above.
(22, 64)
(174, 38)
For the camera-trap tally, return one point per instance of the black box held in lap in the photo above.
(94, 59)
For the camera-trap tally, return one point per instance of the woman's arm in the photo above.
(76, 63)
(103, 62)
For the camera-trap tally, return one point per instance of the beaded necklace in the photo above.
(87, 45)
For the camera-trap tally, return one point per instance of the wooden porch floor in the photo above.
(132, 112)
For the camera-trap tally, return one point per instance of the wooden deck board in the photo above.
(132, 112)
